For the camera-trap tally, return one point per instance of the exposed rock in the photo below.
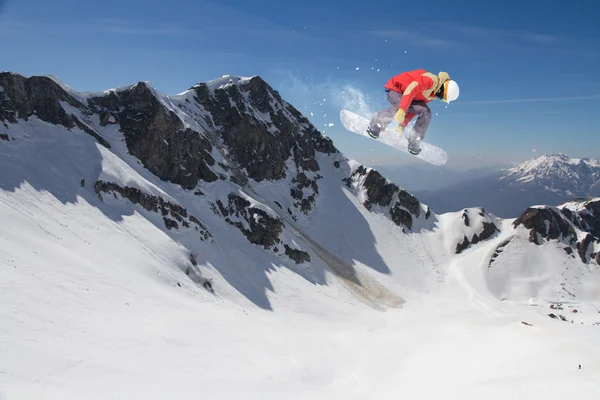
(4, 136)
(465, 217)
(592, 218)
(260, 228)
(489, 229)
(546, 222)
(193, 259)
(262, 147)
(298, 256)
(498, 251)
(379, 190)
(39, 96)
(157, 137)
(156, 204)
(303, 182)
(409, 202)
(170, 223)
(588, 219)
(402, 205)
(462, 245)
(428, 213)
(583, 246)
(401, 217)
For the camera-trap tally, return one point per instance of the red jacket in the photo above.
(416, 85)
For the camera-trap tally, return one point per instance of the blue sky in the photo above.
(528, 70)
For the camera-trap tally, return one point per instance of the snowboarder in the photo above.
(409, 93)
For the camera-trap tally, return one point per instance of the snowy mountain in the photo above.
(215, 242)
(549, 179)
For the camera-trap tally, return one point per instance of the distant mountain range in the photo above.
(427, 177)
(550, 179)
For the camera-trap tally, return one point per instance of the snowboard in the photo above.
(357, 124)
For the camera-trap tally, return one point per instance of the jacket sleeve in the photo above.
(412, 90)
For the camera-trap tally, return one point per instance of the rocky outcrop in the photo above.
(259, 227)
(158, 138)
(489, 229)
(174, 216)
(583, 246)
(298, 256)
(550, 223)
(403, 206)
(302, 183)
(498, 251)
(39, 96)
(587, 218)
(546, 223)
(476, 227)
(262, 145)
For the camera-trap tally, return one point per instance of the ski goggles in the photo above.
(445, 95)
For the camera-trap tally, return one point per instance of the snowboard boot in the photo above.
(414, 147)
(373, 130)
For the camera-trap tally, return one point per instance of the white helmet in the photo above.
(451, 91)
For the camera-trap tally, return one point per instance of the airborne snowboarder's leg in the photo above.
(384, 117)
(418, 132)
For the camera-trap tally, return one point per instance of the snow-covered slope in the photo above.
(215, 244)
(550, 179)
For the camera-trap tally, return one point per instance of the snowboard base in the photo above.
(358, 124)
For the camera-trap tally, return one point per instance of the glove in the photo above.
(400, 115)
(400, 129)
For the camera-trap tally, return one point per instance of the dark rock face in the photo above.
(403, 205)
(583, 246)
(159, 139)
(550, 224)
(173, 214)
(263, 229)
(298, 256)
(489, 229)
(498, 251)
(465, 217)
(379, 191)
(39, 96)
(301, 181)
(588, 220)
(547, 223)
(401, 216)
(258, 226)
(260, 146)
